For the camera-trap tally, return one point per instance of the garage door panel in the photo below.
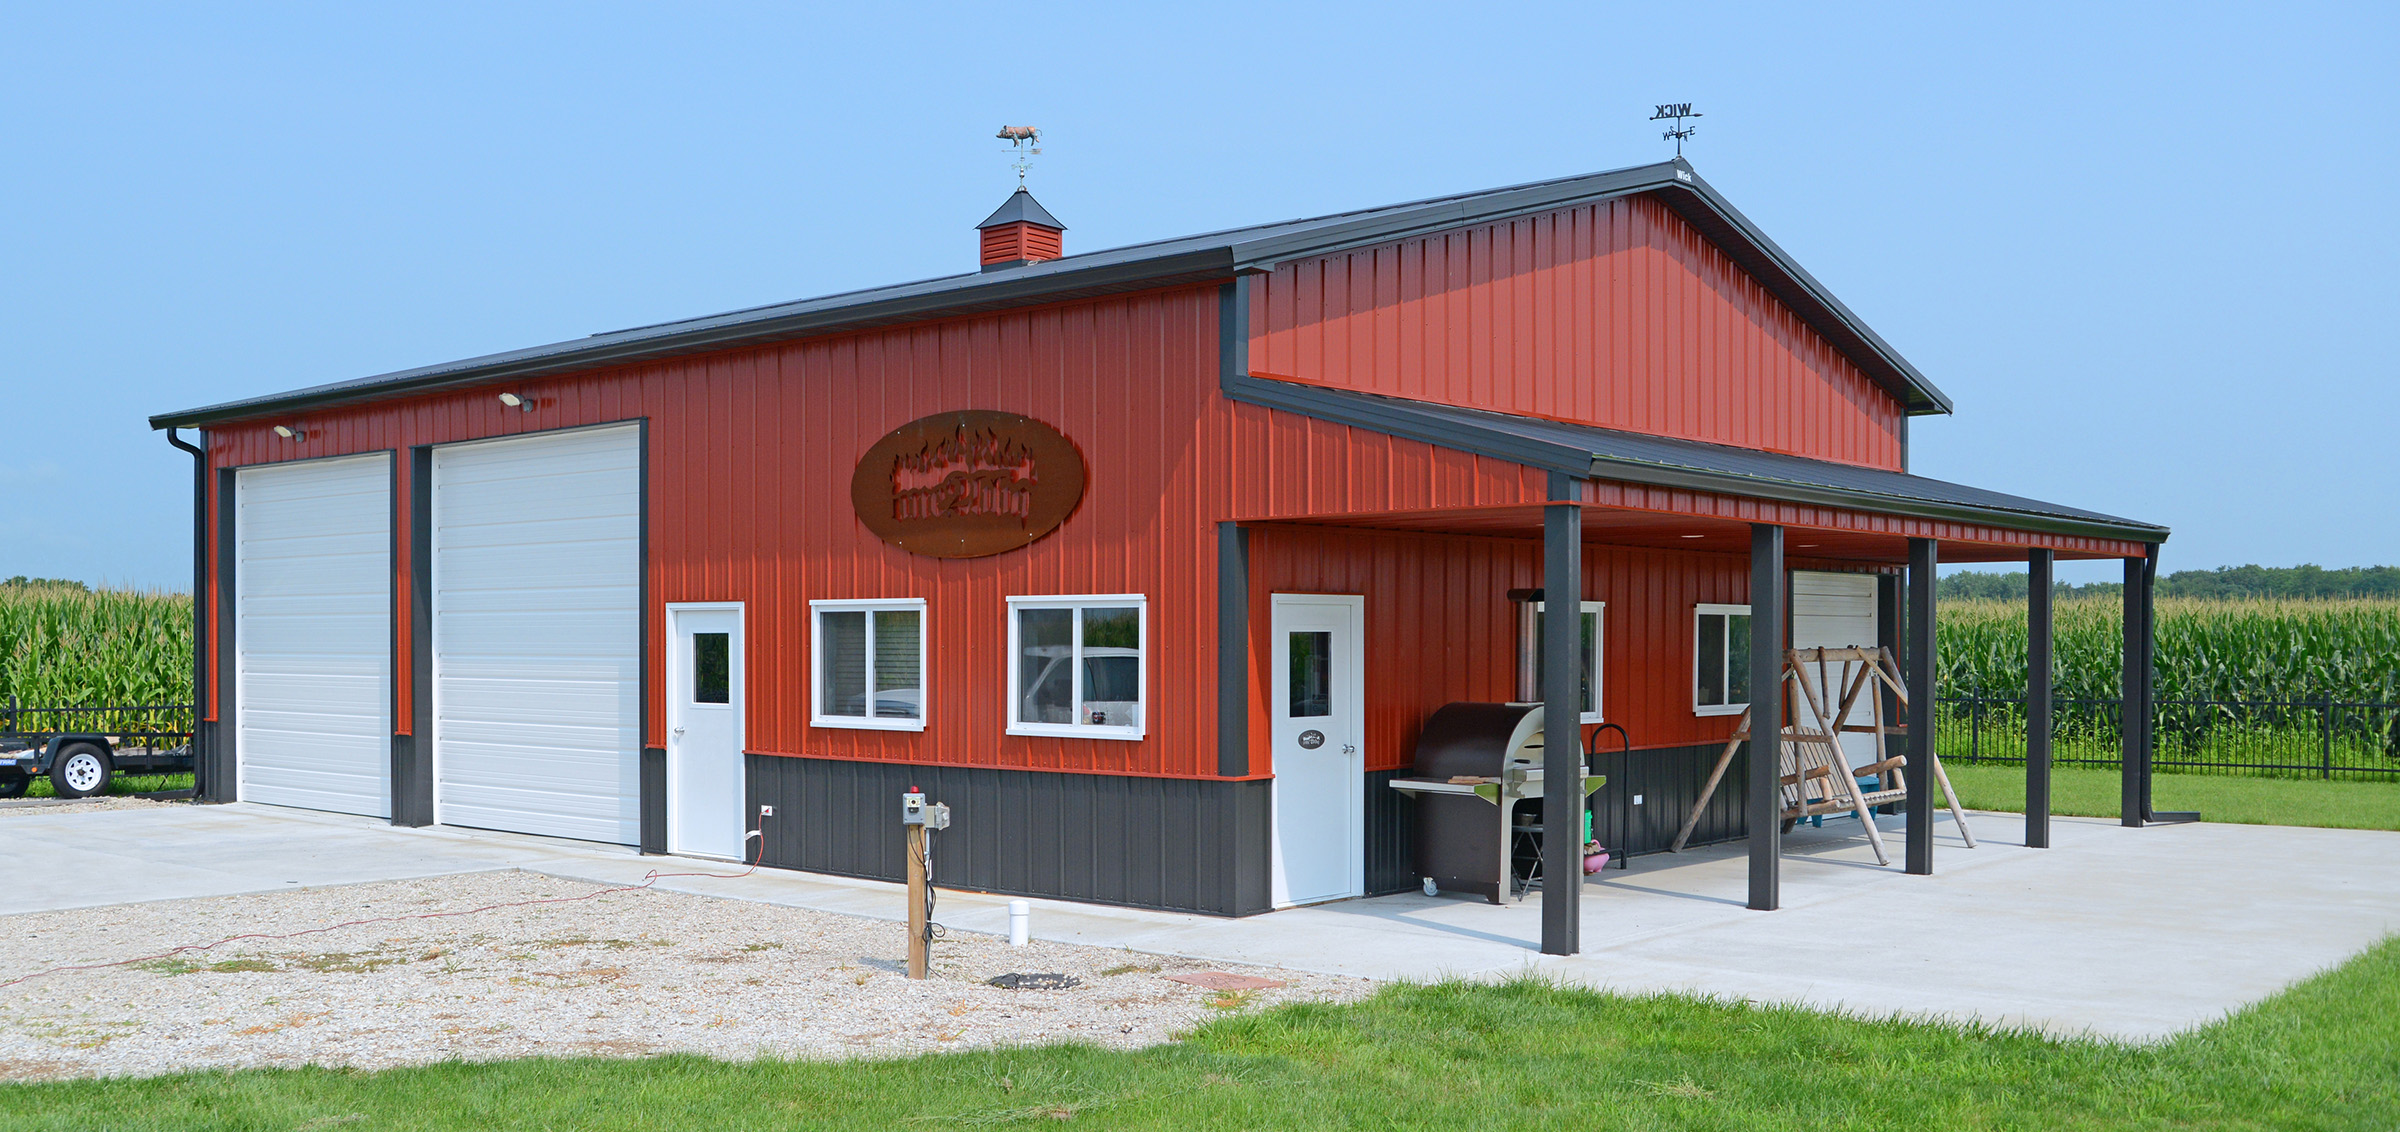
(313, 594)
(537, 634)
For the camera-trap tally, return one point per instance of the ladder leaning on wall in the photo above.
(1816, 777)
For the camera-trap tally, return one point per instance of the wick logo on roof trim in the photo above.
(967, 484)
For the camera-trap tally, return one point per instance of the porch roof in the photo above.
(1585, 451)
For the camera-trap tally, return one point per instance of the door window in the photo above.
(712, 681)
(1312, 673)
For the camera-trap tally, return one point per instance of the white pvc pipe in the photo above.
(1020, 923)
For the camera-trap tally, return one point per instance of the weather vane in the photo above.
(1025, 142)
(1677, 112)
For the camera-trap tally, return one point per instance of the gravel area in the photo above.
(80, 805)
(624, 974)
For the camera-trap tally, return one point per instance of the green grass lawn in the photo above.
(2323, 1055)
(121, 784)
(2227, 798)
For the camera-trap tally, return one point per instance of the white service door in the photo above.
(1835, 611)
(537, 634)
(312, 634)
(705, 795)
(1320, 771)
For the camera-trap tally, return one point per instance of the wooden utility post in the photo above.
(916, 901)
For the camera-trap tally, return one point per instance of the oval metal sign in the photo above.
(1311, 740)
(967, 484)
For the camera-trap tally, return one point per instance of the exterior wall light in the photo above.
(289, 433)
(515, 402)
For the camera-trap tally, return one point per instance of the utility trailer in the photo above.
(83, 749)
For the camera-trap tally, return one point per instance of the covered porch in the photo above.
(1613, 492)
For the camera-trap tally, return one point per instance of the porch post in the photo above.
(1923, 556)
(2133, 763)
(1766, 716)
(1562, 718)
(2037, 698)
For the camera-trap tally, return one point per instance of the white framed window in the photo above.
(1720, 659)
(869, 664)
(1078, 666)
(1595, 620)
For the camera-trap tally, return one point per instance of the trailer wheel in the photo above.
(82, 770)
(14, 783)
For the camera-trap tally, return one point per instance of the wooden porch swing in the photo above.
(1816, 776)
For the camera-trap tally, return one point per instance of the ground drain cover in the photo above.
(1048, 980)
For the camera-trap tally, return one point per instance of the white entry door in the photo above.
(1836, 611)
(1320, 770)
(704, 731)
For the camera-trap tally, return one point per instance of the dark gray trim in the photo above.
(401, 771)
(202, 736)
(1887, 634)
(1181, 844)
(1562, 721)
(2039, 675)
(654, 802)
(1767, 580)
(1609, 454)
(1924, 560)
(1233, 650)
(1020, 206)
(654, 793)
(1188, 260)
(412, 783)
(225, 778)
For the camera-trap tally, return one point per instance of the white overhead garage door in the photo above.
(312, 634)
(1831, 611)
(537, 634)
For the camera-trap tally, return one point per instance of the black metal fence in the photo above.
(158, 727)
(2323, 738)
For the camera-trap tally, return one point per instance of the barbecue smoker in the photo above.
(1477, 768)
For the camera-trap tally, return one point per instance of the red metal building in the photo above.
(635, 586)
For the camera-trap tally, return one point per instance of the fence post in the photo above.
(2327, 700)
(1975, 741)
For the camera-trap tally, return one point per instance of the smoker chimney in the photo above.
(1019, 233)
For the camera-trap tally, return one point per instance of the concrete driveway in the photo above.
(2118, 932)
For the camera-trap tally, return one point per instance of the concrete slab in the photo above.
(2117, 932)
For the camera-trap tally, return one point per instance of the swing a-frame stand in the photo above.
(1816, 777)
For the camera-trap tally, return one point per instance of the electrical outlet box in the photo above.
(912, 808)
(1637, 799)
(937, 816)
(766, 811)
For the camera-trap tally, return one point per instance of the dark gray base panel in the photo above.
(1184, 845)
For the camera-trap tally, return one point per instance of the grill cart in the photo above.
(1478, 786)
(83, 748)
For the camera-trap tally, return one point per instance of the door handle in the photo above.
(679, 731)
(1349, 748)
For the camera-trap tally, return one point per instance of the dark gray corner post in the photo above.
(1562, 717)
(2038, 677)
(203, 752)
(2138, 722)
(1233, 651)
(412, 776)
(1766, 716)
(1924, 556)
(225, 775)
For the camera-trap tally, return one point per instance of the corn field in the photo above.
(2248, 686)
(62, 646)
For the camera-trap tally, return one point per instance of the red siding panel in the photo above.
(1617, 314)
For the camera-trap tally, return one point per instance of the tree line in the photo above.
(2224, 582)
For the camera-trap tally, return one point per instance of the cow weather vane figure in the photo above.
(1676, 112)
(1025, 144)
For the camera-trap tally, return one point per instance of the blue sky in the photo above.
(2149, 250)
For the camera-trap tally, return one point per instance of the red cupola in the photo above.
(1020, 232)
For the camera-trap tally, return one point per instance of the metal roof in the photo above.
(1585, 451)
(1189, 259)
(1020, 205)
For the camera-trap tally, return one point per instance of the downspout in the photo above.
(203, 766)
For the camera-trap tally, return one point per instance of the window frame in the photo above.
(1599, 612)
(1729, 612)
(1079, 602)
(816, 663)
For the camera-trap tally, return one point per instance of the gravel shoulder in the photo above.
(621, 974)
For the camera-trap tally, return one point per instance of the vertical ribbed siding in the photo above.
(1440, 627)
(1617, 314)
